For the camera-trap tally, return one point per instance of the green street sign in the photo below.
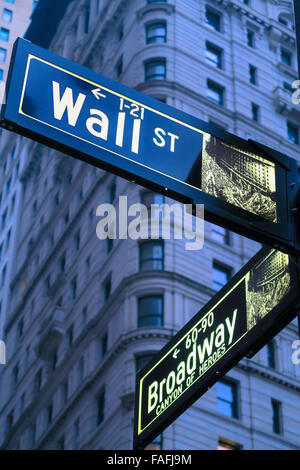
(256, 304)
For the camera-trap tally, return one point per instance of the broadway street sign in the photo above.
(254, 306)
(245, 187)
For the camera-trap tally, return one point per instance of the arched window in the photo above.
(285, 19)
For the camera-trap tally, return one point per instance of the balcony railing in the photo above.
(51, 331)
(283, 102)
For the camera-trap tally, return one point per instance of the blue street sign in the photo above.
(245, 187)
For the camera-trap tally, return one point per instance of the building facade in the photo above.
(15, 19)
(86, 314)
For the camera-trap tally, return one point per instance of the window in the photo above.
(271, 355)
(54, 359)
(16, 374)
(156, 32)
(62, 262)
(286, 57)
(155, 70)
(110, 244)
(65, 393)
(34, 5)
(38, 380)
(221, 275)
(7, 15)
(100, 407)
(22, 402)
(86, 20)
(3, 53)
(156, 1)
(10, 1)
(67, 217)
(250, 38)
(56, 199)
(119, 66)
(61, 443)
(13, 154)
(77, 240)
(27, 357)
(84, 315)
(288, 86)
(220, 234)
(31, 436)
(149, 198)
(226, 444)
(107, 288)
(213, 19)
(276, 416)
(70, 336)
(293, 133)
(13, 201)
(1, 74)
(253, 74)
(9, 422)
(47, 284)
(283, 21)
(8, 185)
(4, 34)
(49, 414)
(4, 217)
(152, 255)
(121, 32)
(255, 109)
(150, 311)
(214, 55)
(8, 239)
(20, 328)
(3, 276)
(112, 191)
(142, 361)
(104, 340)
(74, 287)
(76, 434)
(87, 267)
(215, 92)
(227, 403)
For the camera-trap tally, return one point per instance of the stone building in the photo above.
(86, 314)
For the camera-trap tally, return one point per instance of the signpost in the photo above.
(254, 306)
(245, 187)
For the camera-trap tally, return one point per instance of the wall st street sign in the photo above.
(254, 306)
(245, 187)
